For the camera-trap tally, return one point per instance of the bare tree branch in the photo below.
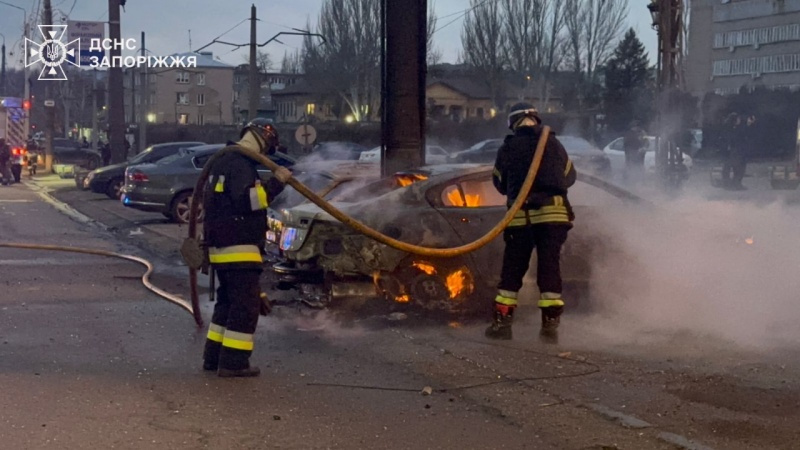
(484, 42)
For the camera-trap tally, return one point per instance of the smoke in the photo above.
(719, 269)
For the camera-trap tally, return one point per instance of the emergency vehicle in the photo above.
(14, 129)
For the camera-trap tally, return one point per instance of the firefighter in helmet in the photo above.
(542, 223)
(234, 227)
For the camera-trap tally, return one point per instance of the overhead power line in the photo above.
(460, 14)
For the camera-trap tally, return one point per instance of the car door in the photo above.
(615, 151)
(472, 206)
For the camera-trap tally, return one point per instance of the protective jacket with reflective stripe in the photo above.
(235, 203)
(547, 201)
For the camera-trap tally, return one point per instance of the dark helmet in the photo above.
(265, 130)
(521, 111)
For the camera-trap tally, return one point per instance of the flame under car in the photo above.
(437, 206)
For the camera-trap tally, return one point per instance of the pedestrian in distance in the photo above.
(736, 142)
(5, 162)
(105, 153)
(542, 224)
(634, 145)
(234, 228)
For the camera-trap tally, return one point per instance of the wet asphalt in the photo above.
(90, 359)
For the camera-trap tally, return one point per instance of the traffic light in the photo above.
(26, 105)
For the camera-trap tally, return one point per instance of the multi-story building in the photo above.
(199, 95)
(270, 82)
(737, 45)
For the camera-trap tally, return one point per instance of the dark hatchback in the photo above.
(69, 152)
(166, 187)
(109, 180)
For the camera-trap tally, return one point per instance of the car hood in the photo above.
(114, 168)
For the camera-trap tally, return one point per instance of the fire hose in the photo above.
(145, 278)
(353, 223)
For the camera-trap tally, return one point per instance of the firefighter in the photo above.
(235, 225)
(542, 223)
(5, 162)
(634, 146)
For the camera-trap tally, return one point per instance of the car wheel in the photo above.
(443, 285)
(114, 188)
(181, 208)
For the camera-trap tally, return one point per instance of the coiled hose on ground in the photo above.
(355, 224)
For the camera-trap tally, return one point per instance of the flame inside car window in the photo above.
(407, 179)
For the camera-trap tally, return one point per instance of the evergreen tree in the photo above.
(628, 85)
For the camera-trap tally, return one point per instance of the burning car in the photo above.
(436, 206)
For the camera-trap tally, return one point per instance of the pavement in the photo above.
(90, 359)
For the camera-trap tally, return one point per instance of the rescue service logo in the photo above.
(53, 52)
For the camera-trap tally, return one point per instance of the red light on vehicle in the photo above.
(138, 177)
(16, 152)
(26, 104)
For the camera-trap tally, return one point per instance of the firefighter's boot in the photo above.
(501, 325)
(552, 306)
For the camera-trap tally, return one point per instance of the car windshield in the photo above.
(141, 156)
(172, 158)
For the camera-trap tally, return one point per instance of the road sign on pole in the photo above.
(86, 31)
(305, 135)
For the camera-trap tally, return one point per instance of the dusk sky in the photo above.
(167, 23)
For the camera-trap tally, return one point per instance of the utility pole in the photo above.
(3, 74)
(116, 88)
(404, 73)
(49, 111)
(668, 22)
(145, 94)
(255, 83)
(95, 91)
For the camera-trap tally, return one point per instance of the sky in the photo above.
(170, 25)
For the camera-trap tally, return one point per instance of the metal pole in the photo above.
(50, 112)
(116, 89)
(3, 74)
(94, 110)
(145, 94)
(255, 85)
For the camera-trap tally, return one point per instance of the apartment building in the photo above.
(739, 45)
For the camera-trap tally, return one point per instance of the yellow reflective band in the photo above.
(569, 167)
(215, 332)
(234, 254)
(220, 187)
(508, 301)
(258, 198)
(558, 200)
(238, 341)
(546, 303)
(496, 172)
(509, 294)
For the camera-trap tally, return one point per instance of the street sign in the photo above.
(305, 134)
(49, 103)
(86, 31)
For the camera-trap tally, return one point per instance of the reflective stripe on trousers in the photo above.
(234, 254)
(238, 341)
(216, 332)
(555, 213)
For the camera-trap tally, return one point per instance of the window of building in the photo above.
(758, 36)
(479, 113)
(182, 98)
(182, 77)
(201, 119)
(201, 79)
(183, 119)
(311, 109)
(201, 99)
(236, 96)
(757, 66)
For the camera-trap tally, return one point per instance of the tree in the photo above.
(628, 93)
(592, 28)
(347, 66)
(263, 61)
(292, 63)
(484, 41)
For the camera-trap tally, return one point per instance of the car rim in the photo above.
(184, 209)
(118, 188)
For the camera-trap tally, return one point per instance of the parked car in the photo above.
(615, 150)
(329, 151)
(434, 154)
(484, 152)
(584, 155)
(69, 152)
(166, 186)
(445, 206)
(110, 179)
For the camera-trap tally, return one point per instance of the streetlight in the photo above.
(655, 12)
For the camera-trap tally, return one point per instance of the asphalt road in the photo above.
(90, 359)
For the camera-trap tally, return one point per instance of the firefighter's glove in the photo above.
(283, 174)
(193, 253)
(265, 305)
